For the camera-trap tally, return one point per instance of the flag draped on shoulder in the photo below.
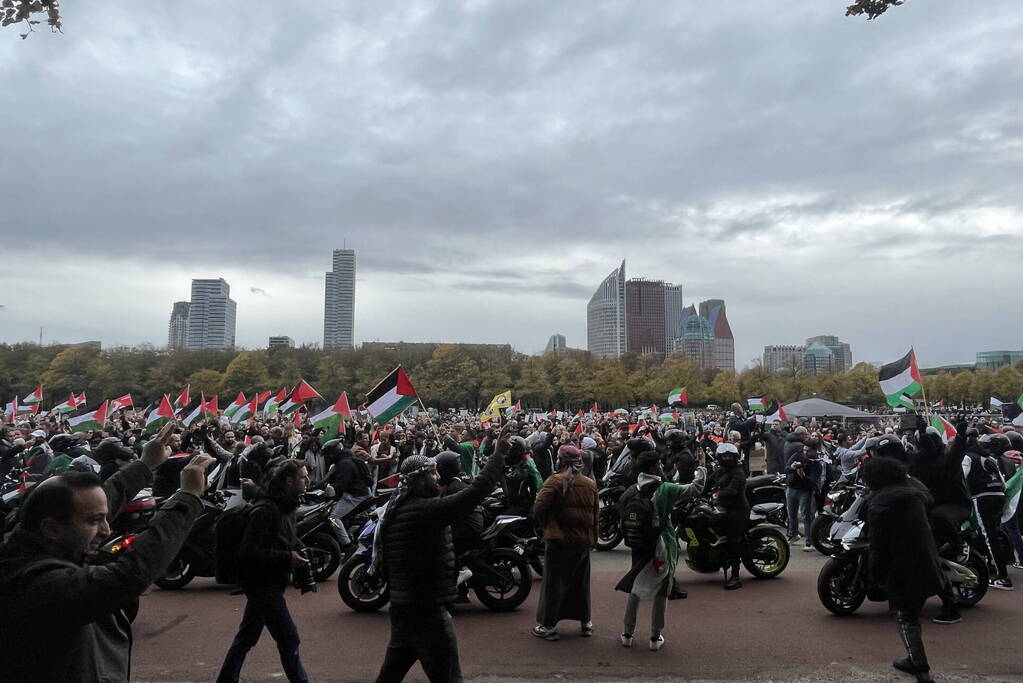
(91, 421)
(391, 397)
(900, 380)
(330, 419)
(680, 395)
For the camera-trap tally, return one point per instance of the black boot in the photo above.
(732, 580)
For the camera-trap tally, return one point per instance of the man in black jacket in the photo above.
(903, 557)
(352, 482)
(414, 545)
(269, 552)
(775, 439)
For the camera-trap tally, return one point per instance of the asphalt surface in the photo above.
(771, 630)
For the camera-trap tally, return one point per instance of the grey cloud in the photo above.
(258, 291)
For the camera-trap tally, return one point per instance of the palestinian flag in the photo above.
(902, 401)
(579, 427)
(945, 429)
(183, 398)
(211, 407)
(262, 397)
(303, 392)
(593, 409)
(11, 409)
(198, 413)
(70, 405)
(161, 415)
(120, 403)
(756, 404)
(247, 411)
(996, 402)
(900, 379)
(273, 404)
(239, 401)
(330, 419)
(81, 399)
(680, 395)
(668, 418)
(391, 397)
(35, 397)
(29, 409)
(296, 418)
(1013, 485)
(91, 421)
(777, 414)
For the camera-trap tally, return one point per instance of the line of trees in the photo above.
(451, 376)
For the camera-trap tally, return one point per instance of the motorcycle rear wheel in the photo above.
(820, 534)
(514, 585)
(324, 555)
(357, 591)
(765, 553)
(832, 590)
(179, 574)
(968, 597)
(609, 529)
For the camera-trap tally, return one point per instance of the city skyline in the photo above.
(490, 192)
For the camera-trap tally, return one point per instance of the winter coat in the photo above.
(417, 551)
(270, 537)
(903, 556)
(775, 450)
(730, 483)
(793, 446)
(811, 477)
(351, 475)
(68, 621)
(571, 516)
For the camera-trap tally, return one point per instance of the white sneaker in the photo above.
(626, 639)
(808, 548)
(656, 643)
(463, 576)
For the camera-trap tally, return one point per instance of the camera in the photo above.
(302, 577)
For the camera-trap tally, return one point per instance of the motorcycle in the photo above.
(520, 534)
(609, 523)
(768, 489)
(701, 526)
(844, 582)
(501, 579)
(842, 494)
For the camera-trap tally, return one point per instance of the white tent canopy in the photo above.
(818, 407)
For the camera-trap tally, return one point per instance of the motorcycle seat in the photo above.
(767, 508)
(761, 480)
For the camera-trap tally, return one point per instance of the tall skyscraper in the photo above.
(673, 308)
(605, 317)
(339, 302)
(211, 315)
(644, 317)
(177, 329)
(840, 351)
(779, 357)
(556, 344)
(706, 336)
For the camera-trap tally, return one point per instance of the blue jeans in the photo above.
(346, 504)
(265, 606)
(799, 503)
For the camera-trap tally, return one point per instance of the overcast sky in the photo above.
(491, 162)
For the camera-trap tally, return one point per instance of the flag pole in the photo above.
(436, 434)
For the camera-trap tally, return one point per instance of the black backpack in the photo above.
(228, 532)
(639, 520)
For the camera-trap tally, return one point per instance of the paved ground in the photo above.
(768, 631)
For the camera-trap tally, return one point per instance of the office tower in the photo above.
(339, 301)
(644, 317)
(605, 317)
(177, 329)
(673, 308)
(211, 315)
(706, 337)
(783, 357)
(556, 343)
(840, 351)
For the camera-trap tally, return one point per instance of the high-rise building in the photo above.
(339, 301)
(783, 357)
(706, 337)
(644, 317)
(605, 317)
(818, 359)
(673, 308)
(211, 315)
(281, 340)
(177, 329)
(841, 353)
(556, 343)
(992, 360)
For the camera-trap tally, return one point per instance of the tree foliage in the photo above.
(871, 8)
(29, 14)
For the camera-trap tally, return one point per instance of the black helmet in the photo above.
(995, 444)
(639, 444)
(332, 447)
(111, 448)
(890, 446)
(449, 465)
(519, 447)
(60, 443)
(415, 465)
(674, 436)
(1015, 439)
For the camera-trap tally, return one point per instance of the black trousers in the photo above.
(265, 607)
(736, 528)
(946, 520)
(907, 621)
(425, 634)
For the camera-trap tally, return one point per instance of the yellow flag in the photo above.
(501, 401)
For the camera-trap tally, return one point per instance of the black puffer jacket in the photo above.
(418, 555)
(270, 536)
(731, 486)
(793, 446)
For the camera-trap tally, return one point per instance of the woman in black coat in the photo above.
(903, 556)
(730, 481)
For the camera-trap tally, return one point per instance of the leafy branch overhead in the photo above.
(30, 13)
(872, 8)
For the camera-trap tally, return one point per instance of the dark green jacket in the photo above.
(68, 621)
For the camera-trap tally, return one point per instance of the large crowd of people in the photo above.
(441, 466)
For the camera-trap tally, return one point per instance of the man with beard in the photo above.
(413, 543)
